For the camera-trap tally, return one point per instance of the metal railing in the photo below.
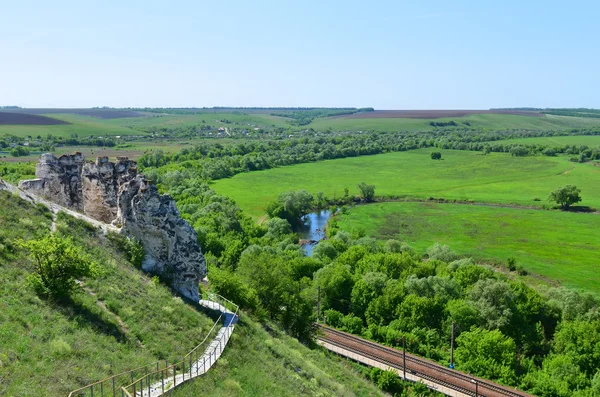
(193, 364)
(113, 386)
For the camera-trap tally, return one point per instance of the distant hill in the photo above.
(12, 118)
(101, 113)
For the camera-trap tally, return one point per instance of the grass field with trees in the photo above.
(460, 175)
(558, 245)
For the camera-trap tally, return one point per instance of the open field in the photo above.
(435, 114)
(555, 244)
(461, 175)
(491, 121)
(80, 125)
(589, 140)
(86, 125)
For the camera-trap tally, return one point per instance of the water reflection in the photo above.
(313, 229)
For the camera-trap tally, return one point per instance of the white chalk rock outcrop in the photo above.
(170, 243)
(115, 193)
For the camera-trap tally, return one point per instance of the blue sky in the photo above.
(384, 54)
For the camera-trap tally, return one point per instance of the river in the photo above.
(313, 228)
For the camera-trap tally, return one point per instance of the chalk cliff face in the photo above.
(115, 193)
(90, 188)
(170, 242)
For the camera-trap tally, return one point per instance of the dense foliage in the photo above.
(505, 330)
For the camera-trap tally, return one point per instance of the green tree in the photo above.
(367, 192)
(336, 284)
(489, 354)
(58, 264)
(436, 155)
(292, 206)
(566, 196)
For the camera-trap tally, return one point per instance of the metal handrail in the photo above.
(170, 373)
(113, 385)
(113, 377)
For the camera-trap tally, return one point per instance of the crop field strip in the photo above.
(7, 118)
(434, 114)
(427, 369)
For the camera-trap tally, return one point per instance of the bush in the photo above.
(511, 264)
(58, 264)
(442, 253)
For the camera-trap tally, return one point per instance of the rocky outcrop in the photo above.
(90, 188)
(100, 185)
(115, 193)
(169, 241)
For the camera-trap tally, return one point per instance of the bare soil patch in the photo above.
(434, 114)
(27, 119)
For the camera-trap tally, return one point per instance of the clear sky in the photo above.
(384, 54)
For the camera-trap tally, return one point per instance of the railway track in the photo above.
(417, 366)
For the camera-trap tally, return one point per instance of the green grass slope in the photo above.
(92, 126)
(558, 245)
(462, 175)
(124, 319)
(259, 363)
(120, 320)
(491, 121)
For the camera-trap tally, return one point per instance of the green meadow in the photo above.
(588, 140)
(555, 244)
(460, 175)
(491, 121)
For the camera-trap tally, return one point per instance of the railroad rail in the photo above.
(454, 382)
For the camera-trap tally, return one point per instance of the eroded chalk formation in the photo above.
(115, 193)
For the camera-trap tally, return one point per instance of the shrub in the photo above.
(511, 264)
(442, 253)
(58, 264)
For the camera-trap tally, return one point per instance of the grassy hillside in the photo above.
(259, 363)
(497, 178)
(124, 319)
(491, 121)
(558, 245)
(119, 321)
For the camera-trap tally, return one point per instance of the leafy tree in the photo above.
(19, 151)
(519, 151)
(485, 353)
(581, 341)
(566, 196)
(365, 290)
(292, 206)
(367, 192)
(494, 299)
(442, 253)
(336, 284)
(436, 155)
(58, 264)
(419, 312)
